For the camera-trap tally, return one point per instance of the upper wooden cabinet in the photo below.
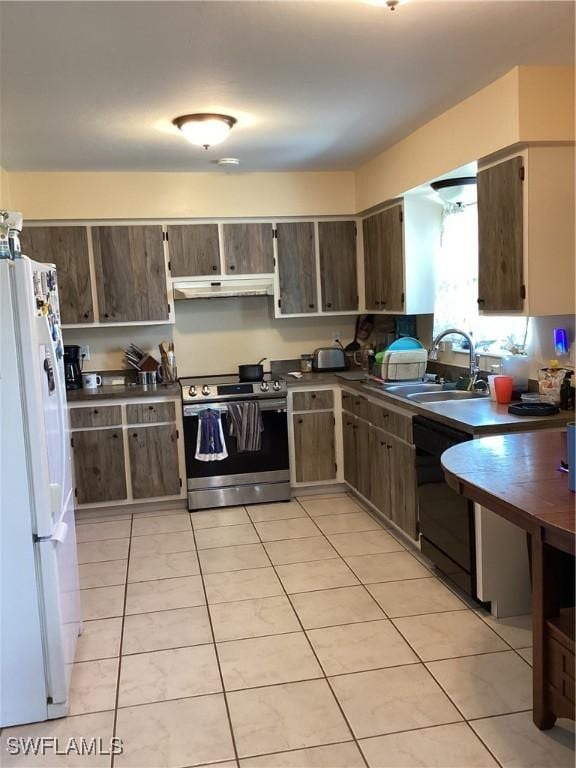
(526, 232)
(130, 273)
(501, 236)
(338, 265)
(296, 268)
(400, 245)
(67, 248)
(248, 248)
(384, 260)
(194, 249)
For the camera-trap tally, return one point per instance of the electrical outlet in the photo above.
(85, 351)
(336, 337)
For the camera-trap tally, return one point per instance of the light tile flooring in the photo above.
(289, 635)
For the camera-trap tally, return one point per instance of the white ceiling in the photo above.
(315, 85)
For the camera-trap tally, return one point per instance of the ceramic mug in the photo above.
(91, 380)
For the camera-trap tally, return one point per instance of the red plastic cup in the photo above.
(503, 387)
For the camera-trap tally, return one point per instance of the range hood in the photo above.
(223, 288)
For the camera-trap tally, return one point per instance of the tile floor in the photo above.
(289, 635)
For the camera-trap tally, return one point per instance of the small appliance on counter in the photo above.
(329, 359)
(72, 366)
(404, 360)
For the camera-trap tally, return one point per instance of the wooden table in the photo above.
(516, 476)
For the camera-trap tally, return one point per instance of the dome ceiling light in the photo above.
(204, 129)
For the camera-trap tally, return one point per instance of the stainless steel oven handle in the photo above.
(278, 405)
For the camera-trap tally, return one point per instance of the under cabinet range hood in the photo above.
(222, 288)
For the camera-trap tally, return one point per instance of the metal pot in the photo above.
(252, 372)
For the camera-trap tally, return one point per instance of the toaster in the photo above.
(329, 359)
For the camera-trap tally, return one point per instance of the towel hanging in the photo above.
(210, 443)
(246, 425)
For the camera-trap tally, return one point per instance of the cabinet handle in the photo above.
(314, 396)
(300, 421)
(86, 315)
(328, 304)
(106, 314)
(481, 301)
(114, 435)
(214, 268)
(135, 434)
(232, 267)
(310, 306)
(383, 444)
(150, 407)
(388, 446)
(95, 411)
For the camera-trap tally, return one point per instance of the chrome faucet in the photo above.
(474, 358)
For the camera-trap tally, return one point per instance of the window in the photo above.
(456, 305)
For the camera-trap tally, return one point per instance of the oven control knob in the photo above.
(192, 391)
(205, 390)
(276, 386)
(264, 386)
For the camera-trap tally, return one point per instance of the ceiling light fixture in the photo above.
(228, 161)
(392, 4)
(205, 129)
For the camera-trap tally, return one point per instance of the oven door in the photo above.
(269, 464)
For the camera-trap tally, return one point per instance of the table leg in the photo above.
(544, 604)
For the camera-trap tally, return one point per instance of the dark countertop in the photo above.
(478, 417)
(121, 392)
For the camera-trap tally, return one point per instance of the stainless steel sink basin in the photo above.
(438, 397)
(405, 390)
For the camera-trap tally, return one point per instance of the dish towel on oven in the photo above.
(210, 444)
(246, 425)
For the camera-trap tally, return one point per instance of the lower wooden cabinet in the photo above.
(403, 504)
(378, 464)
(314, 446)
(154, 467)
(99, 466)
(133, 459)
(380, 461)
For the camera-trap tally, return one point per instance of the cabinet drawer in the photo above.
(313, 401)
(391, 421)
(150, 413)
(356, 404)
(99, 416)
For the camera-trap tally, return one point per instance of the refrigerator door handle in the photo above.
(60, 533)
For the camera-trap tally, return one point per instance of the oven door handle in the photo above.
(278, 405)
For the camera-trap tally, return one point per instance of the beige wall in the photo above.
(5, 201)
(526, 104)
(180, 195)
(217, 335)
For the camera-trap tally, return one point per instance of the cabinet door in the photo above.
(154, 465)
(349, 445)
(500, 237)
(297, 268)
(194, 249)
(384, 260)
(403, 509)
(392, 265)
(362, 430)
(99, 470)
(130, 273)
(314, 447)
(67, 248)
(338, 280)
(248, 249)
(380, 471)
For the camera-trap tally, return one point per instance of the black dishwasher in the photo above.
(447, 534)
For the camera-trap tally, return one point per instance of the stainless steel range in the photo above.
(243, 477)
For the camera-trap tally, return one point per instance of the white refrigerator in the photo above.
(39, 590)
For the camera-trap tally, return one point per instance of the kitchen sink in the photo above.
(441, 396)
(405, 390)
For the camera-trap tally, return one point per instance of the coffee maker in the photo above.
(72, 366)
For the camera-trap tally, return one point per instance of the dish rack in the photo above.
(403, 364)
